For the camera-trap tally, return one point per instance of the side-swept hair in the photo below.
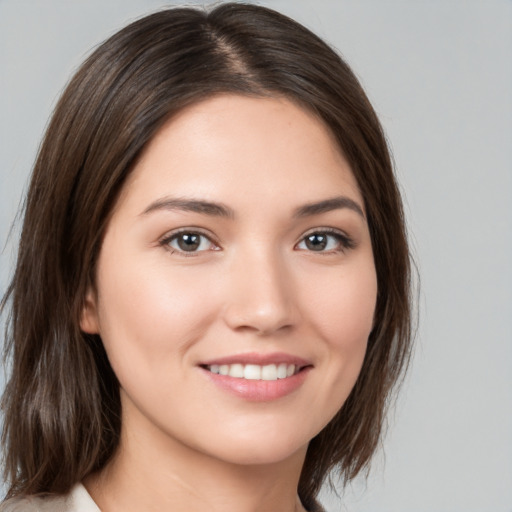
(61, 404)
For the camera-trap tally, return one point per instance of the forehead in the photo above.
(242, 146)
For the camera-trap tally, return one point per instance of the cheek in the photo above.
(342, 314)
(344, 309)
(147, 313)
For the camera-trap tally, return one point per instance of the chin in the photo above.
(261, 455)
(271, 445)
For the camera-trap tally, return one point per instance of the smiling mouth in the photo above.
(266, 372)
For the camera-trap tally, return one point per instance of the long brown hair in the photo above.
(61, 403)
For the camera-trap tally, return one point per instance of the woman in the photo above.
(210, 306)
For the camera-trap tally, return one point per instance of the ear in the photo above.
(89, 317)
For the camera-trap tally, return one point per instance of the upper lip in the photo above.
(259, 359)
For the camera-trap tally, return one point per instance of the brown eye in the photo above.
(316, 241)
(189, 242)
(325, 241)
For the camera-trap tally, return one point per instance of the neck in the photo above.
(154, 473)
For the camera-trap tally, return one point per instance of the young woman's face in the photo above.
(236, 285)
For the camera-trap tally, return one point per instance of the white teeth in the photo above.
(252, 372)
(236, 370)
(282, 371)
(255, 371)
(269, 372)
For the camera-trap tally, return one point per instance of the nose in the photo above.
(261, 295)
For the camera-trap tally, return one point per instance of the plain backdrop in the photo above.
(439, 73)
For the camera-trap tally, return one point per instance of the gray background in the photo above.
(440, 76)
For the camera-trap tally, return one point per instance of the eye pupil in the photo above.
(189, 242)
(316, 242)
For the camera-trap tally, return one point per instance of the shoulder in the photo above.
(78, 500)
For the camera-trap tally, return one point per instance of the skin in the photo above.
(252, 286)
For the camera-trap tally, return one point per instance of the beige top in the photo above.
(78, 500)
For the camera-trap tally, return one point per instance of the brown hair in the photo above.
(61, 404)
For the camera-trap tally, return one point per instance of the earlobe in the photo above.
(89, 317)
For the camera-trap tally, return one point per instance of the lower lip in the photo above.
(258, 390)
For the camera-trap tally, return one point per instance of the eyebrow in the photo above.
(221, 210)
(191, 205)
(327, 205)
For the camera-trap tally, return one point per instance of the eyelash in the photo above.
(166, 241)
(344, 242)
